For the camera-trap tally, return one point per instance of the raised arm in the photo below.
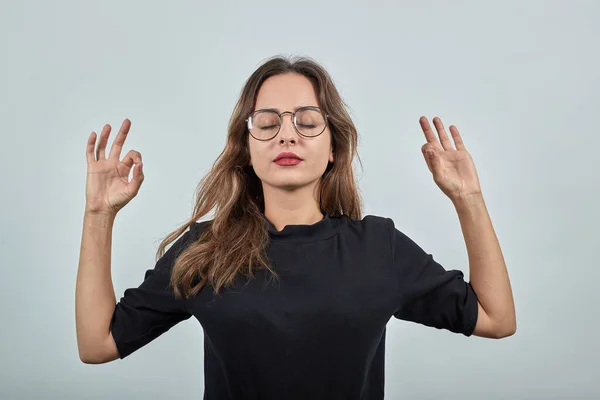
(107, 191)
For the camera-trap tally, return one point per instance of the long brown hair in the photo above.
(236, 240)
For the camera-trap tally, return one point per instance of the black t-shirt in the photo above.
(319, 331)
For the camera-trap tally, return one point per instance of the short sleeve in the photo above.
(431, 295)
(146, 312)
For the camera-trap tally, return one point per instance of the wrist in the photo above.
(466, 201)
(99, 215)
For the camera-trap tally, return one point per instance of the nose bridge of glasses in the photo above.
(287, 112)
(292, 115)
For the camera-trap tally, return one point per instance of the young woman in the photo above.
(292, 285)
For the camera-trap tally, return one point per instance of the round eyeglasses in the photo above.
(308, 121)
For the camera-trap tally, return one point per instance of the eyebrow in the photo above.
(277, 109)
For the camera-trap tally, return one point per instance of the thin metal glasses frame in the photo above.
(280, 115)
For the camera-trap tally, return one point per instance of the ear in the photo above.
(331, 154)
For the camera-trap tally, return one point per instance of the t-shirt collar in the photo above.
(323, 229)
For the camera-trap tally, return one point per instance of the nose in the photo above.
(287, 130)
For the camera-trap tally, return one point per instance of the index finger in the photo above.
(115, 149)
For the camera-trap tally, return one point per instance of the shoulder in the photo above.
(382, 228)
(197, 228)
(370, 222)
(370, 226)
(192, 234)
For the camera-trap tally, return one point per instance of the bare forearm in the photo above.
(94, 293)
(488, 273)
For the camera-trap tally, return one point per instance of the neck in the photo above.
(291, 207)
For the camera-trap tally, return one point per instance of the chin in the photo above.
(289, 182)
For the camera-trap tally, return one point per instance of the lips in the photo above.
(287, 155)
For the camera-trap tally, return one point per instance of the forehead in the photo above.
(286, 92)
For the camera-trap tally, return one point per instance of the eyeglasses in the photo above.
(308, 121)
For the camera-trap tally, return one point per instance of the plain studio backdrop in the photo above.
(520, 79)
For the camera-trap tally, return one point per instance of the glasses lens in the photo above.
(264, 124)
(310, 122)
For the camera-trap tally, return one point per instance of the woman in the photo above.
(292, 286)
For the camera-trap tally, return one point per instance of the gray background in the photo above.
(520, 79)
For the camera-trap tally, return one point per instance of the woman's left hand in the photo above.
(452, 168)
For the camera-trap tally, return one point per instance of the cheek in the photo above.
(254, 154)
(258, 157)
(326, 154)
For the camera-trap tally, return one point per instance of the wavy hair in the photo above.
(236, 240)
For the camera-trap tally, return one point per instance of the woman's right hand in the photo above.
(107, 187)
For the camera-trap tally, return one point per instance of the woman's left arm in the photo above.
(454, 172)
(487, 270)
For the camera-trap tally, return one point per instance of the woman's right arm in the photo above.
(108, 190)
(94, 293)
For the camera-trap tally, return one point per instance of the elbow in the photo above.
(86, 353)
(97, 356)
(93, 359)
(506, 333)
(98, 353)
(506, 330)
(87, 359)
